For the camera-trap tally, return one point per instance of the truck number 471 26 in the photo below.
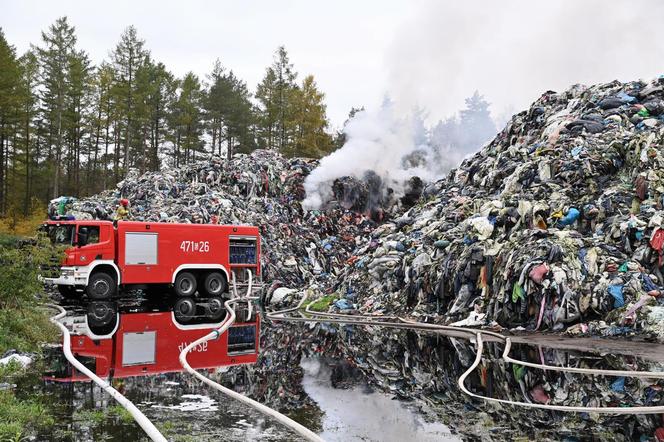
(195, 246)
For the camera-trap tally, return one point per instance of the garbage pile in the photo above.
(557, 222)
(262, 189)
(374, 197)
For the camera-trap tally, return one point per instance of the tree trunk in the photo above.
(155, 147)
(58, 156)
(2, 167)
(26, 201)
(214, 136)
(106, 138)
(116, 153)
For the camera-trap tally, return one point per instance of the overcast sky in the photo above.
(342, 43)
(424, 52)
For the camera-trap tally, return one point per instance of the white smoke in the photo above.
(392, 146)
(512, 51)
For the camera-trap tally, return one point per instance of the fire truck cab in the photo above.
(102, 257)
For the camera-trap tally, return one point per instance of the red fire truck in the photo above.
(104, 257)
(150, 343)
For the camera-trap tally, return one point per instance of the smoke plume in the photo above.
(381, 142)
(512, 51)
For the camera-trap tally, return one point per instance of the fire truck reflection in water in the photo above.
(140, 344)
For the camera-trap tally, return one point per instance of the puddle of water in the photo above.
(359, 414)
(346, 392)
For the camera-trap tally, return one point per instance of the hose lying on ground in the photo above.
(285, 420)
(373, 320)
(145, 423)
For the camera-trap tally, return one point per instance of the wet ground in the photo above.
(346, 383)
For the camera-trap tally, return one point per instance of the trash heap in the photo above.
(373, 196)
(262, 189)
(557, 222)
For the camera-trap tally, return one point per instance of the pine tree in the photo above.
(276, 94)
(311, 139)
(54, 58)
(213, 103)
(239, 118)
(161, 98)
(265, 94)
(28, 96)
(9, 83)
(127, 58)
(97, 165)
(186, 121)
(229, 112)
(155, 90)
(476, 125)
(340, 137)
(78, 101)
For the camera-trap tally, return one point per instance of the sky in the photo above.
(342, 43)
(422, 53)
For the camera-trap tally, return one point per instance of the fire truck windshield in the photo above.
(60, 234)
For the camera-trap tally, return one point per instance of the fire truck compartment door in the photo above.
(139, 348)
(140, 248)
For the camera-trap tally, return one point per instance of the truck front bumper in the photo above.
(70, 276)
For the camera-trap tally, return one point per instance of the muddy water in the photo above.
(367, 384)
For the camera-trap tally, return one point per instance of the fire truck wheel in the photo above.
(184, 309)
(214, 284)
(214, 310)
(100, 314)
(185, 284)
(101, 285)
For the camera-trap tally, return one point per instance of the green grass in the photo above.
(121, 413)
(25, 330)
(8, 240)
(25, 327)
(98, 416)
(19, 416)
(322, 304)
(94, 417)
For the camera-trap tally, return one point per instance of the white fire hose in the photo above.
(285, 420)
(145, 423)
(372, 320)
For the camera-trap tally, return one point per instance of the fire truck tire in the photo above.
(100, 314)
(184, 309)
(214, 284)
(68, 291)
(101, 286)
(214, 309)
(185, 284)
